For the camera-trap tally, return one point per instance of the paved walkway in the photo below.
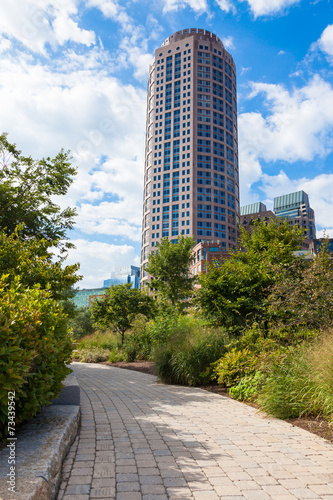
(144, 440)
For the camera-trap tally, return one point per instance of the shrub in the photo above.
(190, 349)
(81, 323)
(93, 355)
(248, 387)
(100, 340)
(301, 383)
(35, 346)
(235, 365)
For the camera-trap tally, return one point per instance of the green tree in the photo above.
(33, 262)
(303, 295)
(119, 308)
(234, 294)
(27, 191)
(168, 267)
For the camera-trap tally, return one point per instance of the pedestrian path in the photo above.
(143, 440)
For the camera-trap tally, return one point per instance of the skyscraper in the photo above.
(296, 208)
(191, 162)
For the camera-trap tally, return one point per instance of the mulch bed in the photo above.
(317, 426)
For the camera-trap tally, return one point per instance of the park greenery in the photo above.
(36, 285)
(259, 324)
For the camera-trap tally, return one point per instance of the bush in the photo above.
(188, 352)
(248, 387)
(100, 340)
(301, 383)
(93, 355)
(235, 365)
(81, 323)
(35, 346)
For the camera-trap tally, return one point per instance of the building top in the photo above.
(203, 34)
(291, 200)
(253, 208)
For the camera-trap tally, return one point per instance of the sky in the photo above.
(73, 75)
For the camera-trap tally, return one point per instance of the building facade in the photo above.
(130, 274)
(296, 208)
(191, 182)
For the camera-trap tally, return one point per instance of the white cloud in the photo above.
(228, 42)
(174, 5)
(269, 7)
(325, 42)
(98, 259)
(226, 5)
(91, 113)
(298, 126)
(281, 52)
(36, 23)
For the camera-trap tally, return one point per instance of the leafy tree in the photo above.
(168, 267)
(303, 295)
(81, 323)
(119, 307)
(32, 260)
(27, 191)
(235, 293)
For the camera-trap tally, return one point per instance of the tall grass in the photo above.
(188, 351)
(302, 383)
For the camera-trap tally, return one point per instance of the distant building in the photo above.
(86, 296)
(207, 253)
(123, 275)
(296, 208)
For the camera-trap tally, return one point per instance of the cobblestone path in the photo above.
(143, 440)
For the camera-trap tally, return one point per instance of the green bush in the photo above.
(100, 340)
(35, 346)
(248, 387)
(301, 383)
(190, 349)
(92, 355)
(235, 365)
(81, 323)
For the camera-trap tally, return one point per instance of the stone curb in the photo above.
(41, 448)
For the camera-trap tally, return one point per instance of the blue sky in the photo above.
(74, 75)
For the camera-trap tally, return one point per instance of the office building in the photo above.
(122, 275)
(296, 208)
(191, 161)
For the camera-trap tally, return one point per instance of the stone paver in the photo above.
(143, 440)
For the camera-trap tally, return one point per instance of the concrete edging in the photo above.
(42, 446)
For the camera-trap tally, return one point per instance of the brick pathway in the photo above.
(144, 440)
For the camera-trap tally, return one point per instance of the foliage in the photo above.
(99, 339)
(92, 355)
(34, 348)
(33, 262)
(81, 323)
(139, 342)
(27, 190)
(234, 294)
(303, 296)
(168, 267)
(248, 387)
(186, 356)
(235, 365)
(120, 306)
(301, 382)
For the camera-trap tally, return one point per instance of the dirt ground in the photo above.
(317, 426)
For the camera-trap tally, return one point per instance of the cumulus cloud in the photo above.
(297, 126)
(98, 259)
(36, 23)
(325, 42)
(269, 7)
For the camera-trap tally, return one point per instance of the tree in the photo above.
(119, 307)
(32, 261)
(27, 191)
(303, 295)
(168, 267)
(235, 293)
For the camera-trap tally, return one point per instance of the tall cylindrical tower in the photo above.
(191, 182)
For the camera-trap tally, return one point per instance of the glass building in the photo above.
(296, 208)
(191, 160)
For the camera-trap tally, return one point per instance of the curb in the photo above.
(42, 446)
